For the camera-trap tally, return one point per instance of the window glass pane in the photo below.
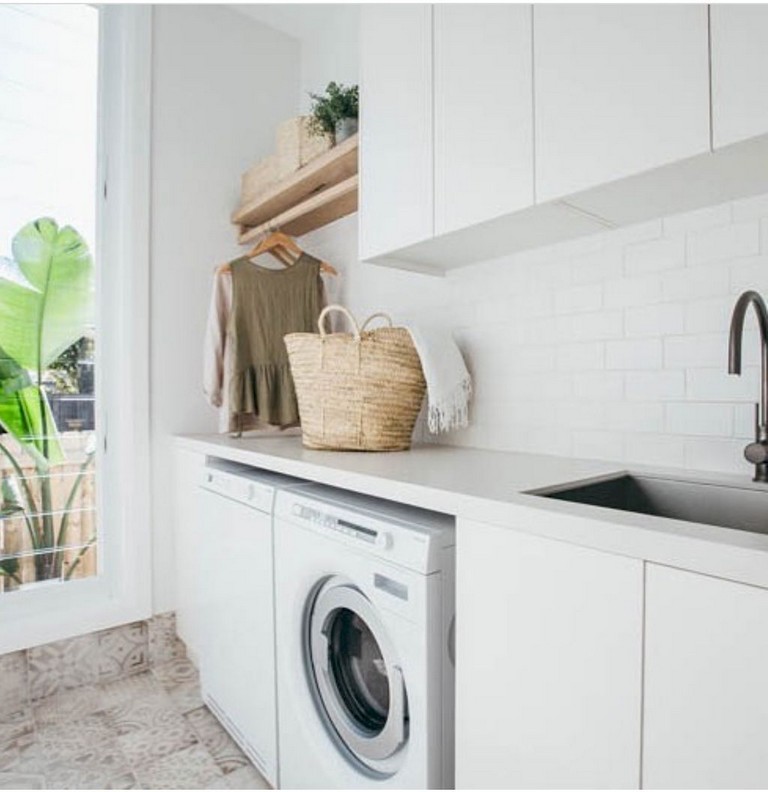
(48, 158)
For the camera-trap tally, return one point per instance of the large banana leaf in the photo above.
(46, 303)
(26, 414)
(37, 324)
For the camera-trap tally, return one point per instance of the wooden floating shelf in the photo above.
(314, 195)
(316, 211)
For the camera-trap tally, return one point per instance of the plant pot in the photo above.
(345, 128)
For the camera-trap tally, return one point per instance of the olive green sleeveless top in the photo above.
(266, 305)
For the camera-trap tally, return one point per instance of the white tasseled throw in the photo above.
(449, 386)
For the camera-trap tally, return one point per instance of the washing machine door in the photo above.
(359, 682)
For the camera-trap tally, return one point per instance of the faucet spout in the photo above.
(756, 452)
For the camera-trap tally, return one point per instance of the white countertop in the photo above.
(492, 486)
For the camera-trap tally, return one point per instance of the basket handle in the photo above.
(379, 315)
(330, 309)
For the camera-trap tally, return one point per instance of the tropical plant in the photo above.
(338, 103)
(46, 304)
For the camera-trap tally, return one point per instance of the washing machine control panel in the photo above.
(322, 518)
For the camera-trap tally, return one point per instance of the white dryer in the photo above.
(236, 611)
(364, 610)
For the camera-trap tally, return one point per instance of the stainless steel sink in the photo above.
(712, 504)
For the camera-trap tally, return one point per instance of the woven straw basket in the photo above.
(358, 391)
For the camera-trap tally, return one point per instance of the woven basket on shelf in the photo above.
(358, 391)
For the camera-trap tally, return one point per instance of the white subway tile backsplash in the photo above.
(692, 283)
(633, 291)
(597, 265)
(695, 351)
(655, 320)
(709, 316)
(613, 346)
(720, 244)
(581, 357)
(656, 449)
(654, 256)
(578, 299)
(634, 417)
(744, 420)
(598, 444)
(641, 353)
(719, 454)
(749, 273)
(715, 384)
(699, 419)
(752, 208)
(605, 324)
(598, 385)
(654, 385)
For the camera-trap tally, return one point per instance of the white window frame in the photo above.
(121, 592)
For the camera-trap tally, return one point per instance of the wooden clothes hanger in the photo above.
(285, 250)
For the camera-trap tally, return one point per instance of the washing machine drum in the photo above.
(358, 681)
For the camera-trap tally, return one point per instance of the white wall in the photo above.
(332, 53)
(329, 35)
(612, 347)
(221, 84)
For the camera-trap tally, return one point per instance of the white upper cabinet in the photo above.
(739, 72)
(548, 665)
(619, 89)
(483, 94)
(396, 183)
(706, 682)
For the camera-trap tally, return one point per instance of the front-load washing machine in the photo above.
(364, 611)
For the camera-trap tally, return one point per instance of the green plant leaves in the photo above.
(52, 314)
(339, 102)
(46, 303)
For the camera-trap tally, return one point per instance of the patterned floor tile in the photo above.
(186, 696)
(148, 745)
(191, 768)
(14, 723)
(21, 781)
(59, 741)
(91, 770)
(63, 665)
(123, 651)
(164, 646)
(14, 689)
(124, 781)
(67, 706)
(176, 672)
(139, 714)
(247, 778)
(13, 751)
(130, 689)
(220, 745)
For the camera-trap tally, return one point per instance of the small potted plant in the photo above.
(335, 112)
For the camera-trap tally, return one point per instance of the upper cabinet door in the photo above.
(396, 182)
(483, 86)
(619, 89)
(739, 69)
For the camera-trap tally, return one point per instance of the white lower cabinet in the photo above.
(706, 682)
(549, 663)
